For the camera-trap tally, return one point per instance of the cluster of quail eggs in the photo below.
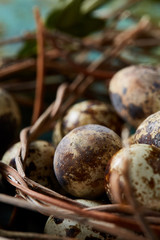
(87, 148)
(135, 95)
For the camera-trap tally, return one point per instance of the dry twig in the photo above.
(40, 69)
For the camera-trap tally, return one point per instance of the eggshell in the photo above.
(87, 112)
(135, 93)
(73, 229)
(81, 157)
(148, 131)
(39, 161)
(144, 173)
(10, 120)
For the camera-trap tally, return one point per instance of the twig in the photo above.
(25, 37)
(126, 37)
(39, 91)
(16, 67)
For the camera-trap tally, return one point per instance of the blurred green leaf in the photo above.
(89, 6)
(86, 25)
(29, 49)
(66, 16)
(72, 20)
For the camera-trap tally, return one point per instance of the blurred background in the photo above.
(16, 16)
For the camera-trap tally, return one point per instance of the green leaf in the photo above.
(65, 16)
(29, 49)
(72, 20)
(86, 25)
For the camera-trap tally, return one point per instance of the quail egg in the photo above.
(144, 173)
(148, 131)
(81, 157)
(135, 93)
(39, 162)
(87, 112)
(10, 120)
(73, 229)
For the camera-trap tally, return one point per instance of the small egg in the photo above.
(73, 229)
(135, 93)
(144, 173)
(81, 157)
(148, 131)
(10, 120)
(87, 112)
(39, 162)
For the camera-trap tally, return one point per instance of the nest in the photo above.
(123, 221)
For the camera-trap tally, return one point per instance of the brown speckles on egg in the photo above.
(31, 167)
(80, 166)
(144, 172)
(58, 220)
(134, 92)
(146, 139)
(135, 111)
(72, 232)
(87, 112)
(148, 131)
(155, 154)
(151, 183)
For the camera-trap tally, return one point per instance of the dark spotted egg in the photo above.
(10, 120)
(61, 227)
(87, 112)
(148, 131)
(39, 161)
(135, 93)
(144, 173)
(81, 157)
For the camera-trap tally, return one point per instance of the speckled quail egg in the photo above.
(144, 173)
(10, 120)
(81, 157)
(135, 93)
(148, 131)
(87, 112)
(73, 229)
(39, 162)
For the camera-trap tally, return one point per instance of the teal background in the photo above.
(17, 18)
